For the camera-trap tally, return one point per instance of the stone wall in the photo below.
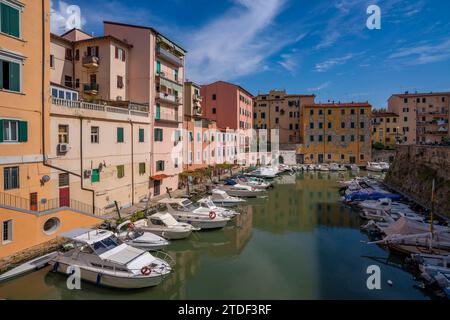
(413, 171)
(383, 155)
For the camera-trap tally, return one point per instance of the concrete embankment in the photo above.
(413, 171)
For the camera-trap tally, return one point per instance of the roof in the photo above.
(159, 177)
(55, 36)
(339, 105)
(419, 94)
(75, 29)
(146, 28)
(231, 84)
(106, 38)
(291, 95)
(88, 236)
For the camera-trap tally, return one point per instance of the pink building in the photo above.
(230, 105)
(156, 73)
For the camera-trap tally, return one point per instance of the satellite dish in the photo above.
(45, 179)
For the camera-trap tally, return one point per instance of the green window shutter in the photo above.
(14, 24)
(158, 111)
(5, 18)
(1, 130)
(95, 176)
(14, 77)
(119, 135)
(158, 67)
(23, 131)
(141, 135)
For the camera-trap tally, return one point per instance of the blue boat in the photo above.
(362, 196)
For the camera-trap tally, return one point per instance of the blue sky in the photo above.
(303, 46)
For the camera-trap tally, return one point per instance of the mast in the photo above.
(432, 214)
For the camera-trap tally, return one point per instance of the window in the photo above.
(158, 67)
(68, 81)
(141, 168)
(320, 138)
(342, 125)
(11, 178)
(6, 231)
(119, 82)
(199, 137)
(214, 97)
(10, 75)
(342, 138)
(141, 135)
(95, 176)
(77, 54)
(311, 112)
(330, 138)
(120, 54)
(320, 125)
(330, 125)
(263, 115)
(63, 180)
(68, 54)
(214, 110)
(352, 125)
(330, 112)
(120, 138)
(277, 120)
(362, 125)
(175, 74)
(291, 126)
(362, 138)
(362, 156)
(160, 165)
(120, 171)
(311, 138)
(13, 131)
(52, 61)
(405, 119)
(362, 111)
(352, 138)
(77, 84)
(63, 133)
(405, 100)
(311, 125)
(10, 19)
(95, 134)
(159, 135)
(352, 111)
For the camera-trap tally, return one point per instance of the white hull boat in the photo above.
(223, 199)
(102, 260)
(374, 167)
(166, 226)
(207, 206)
(28, 267)
(182, 211)
(239, 190)
(140, 239)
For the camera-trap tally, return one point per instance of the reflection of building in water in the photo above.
(227, 242)
(301, 206)
(336, 215)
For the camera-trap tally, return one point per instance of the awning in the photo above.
(159, 177)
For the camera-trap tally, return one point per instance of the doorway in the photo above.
(64, 197)
(34, 201)
(157, 188)
(320, 158)
(352, 160)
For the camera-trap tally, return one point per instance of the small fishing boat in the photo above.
(140, 239)
(378, 215)
(30, 266)
(239, 190)
(367, 195)
(165, 225)
(105, 261)
(183, 211)
(223, 199)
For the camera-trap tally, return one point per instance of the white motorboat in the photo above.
(378, 215)
(265, 172)
(383, 204)
(384, 165)
(323, 167)
(207, 206)
(240, 190)
(223, 199)
(147, 241)
(374, 167)
(257, 183)
(337, 167)
(183, 211)
(103, 260)
(165, 225)
(353, 167)
(423, 260)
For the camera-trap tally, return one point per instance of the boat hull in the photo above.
(109, 280)
(169, 234)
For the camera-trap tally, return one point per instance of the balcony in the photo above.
(169, 98)
(102, 111)
(91, 62)
(197, 98)
(168, 117)
(197, 111)
(168, 56)
(91, 89)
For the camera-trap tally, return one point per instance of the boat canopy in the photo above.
(166, 218)
(87, 236)
(181, 202)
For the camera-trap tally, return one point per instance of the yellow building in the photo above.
(336, 133)
(29, 215)
(385, 128)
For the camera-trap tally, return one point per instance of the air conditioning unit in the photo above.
(63, 148)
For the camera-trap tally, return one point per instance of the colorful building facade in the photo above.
(385, 128)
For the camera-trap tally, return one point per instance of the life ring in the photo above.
(146, 271)
(212, 215)
(131, 227)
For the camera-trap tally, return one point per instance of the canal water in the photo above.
(298, 243)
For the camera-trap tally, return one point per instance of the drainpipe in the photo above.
(132, 163)
(81, 167)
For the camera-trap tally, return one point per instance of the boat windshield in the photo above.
(105, 245)
(189, 205)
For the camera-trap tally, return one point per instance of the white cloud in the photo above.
(320, 87)
(328, 64)
(64, 17)
(423, 54)
(236, 43)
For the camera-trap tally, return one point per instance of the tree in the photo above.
(378, 146)
(184, 176)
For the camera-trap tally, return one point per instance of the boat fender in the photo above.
(55, 267)
(131, 227)
(146, 271)
(99, 279)
(212, 215)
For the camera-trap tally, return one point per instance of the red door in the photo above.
(33, 201)
(64, 197)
